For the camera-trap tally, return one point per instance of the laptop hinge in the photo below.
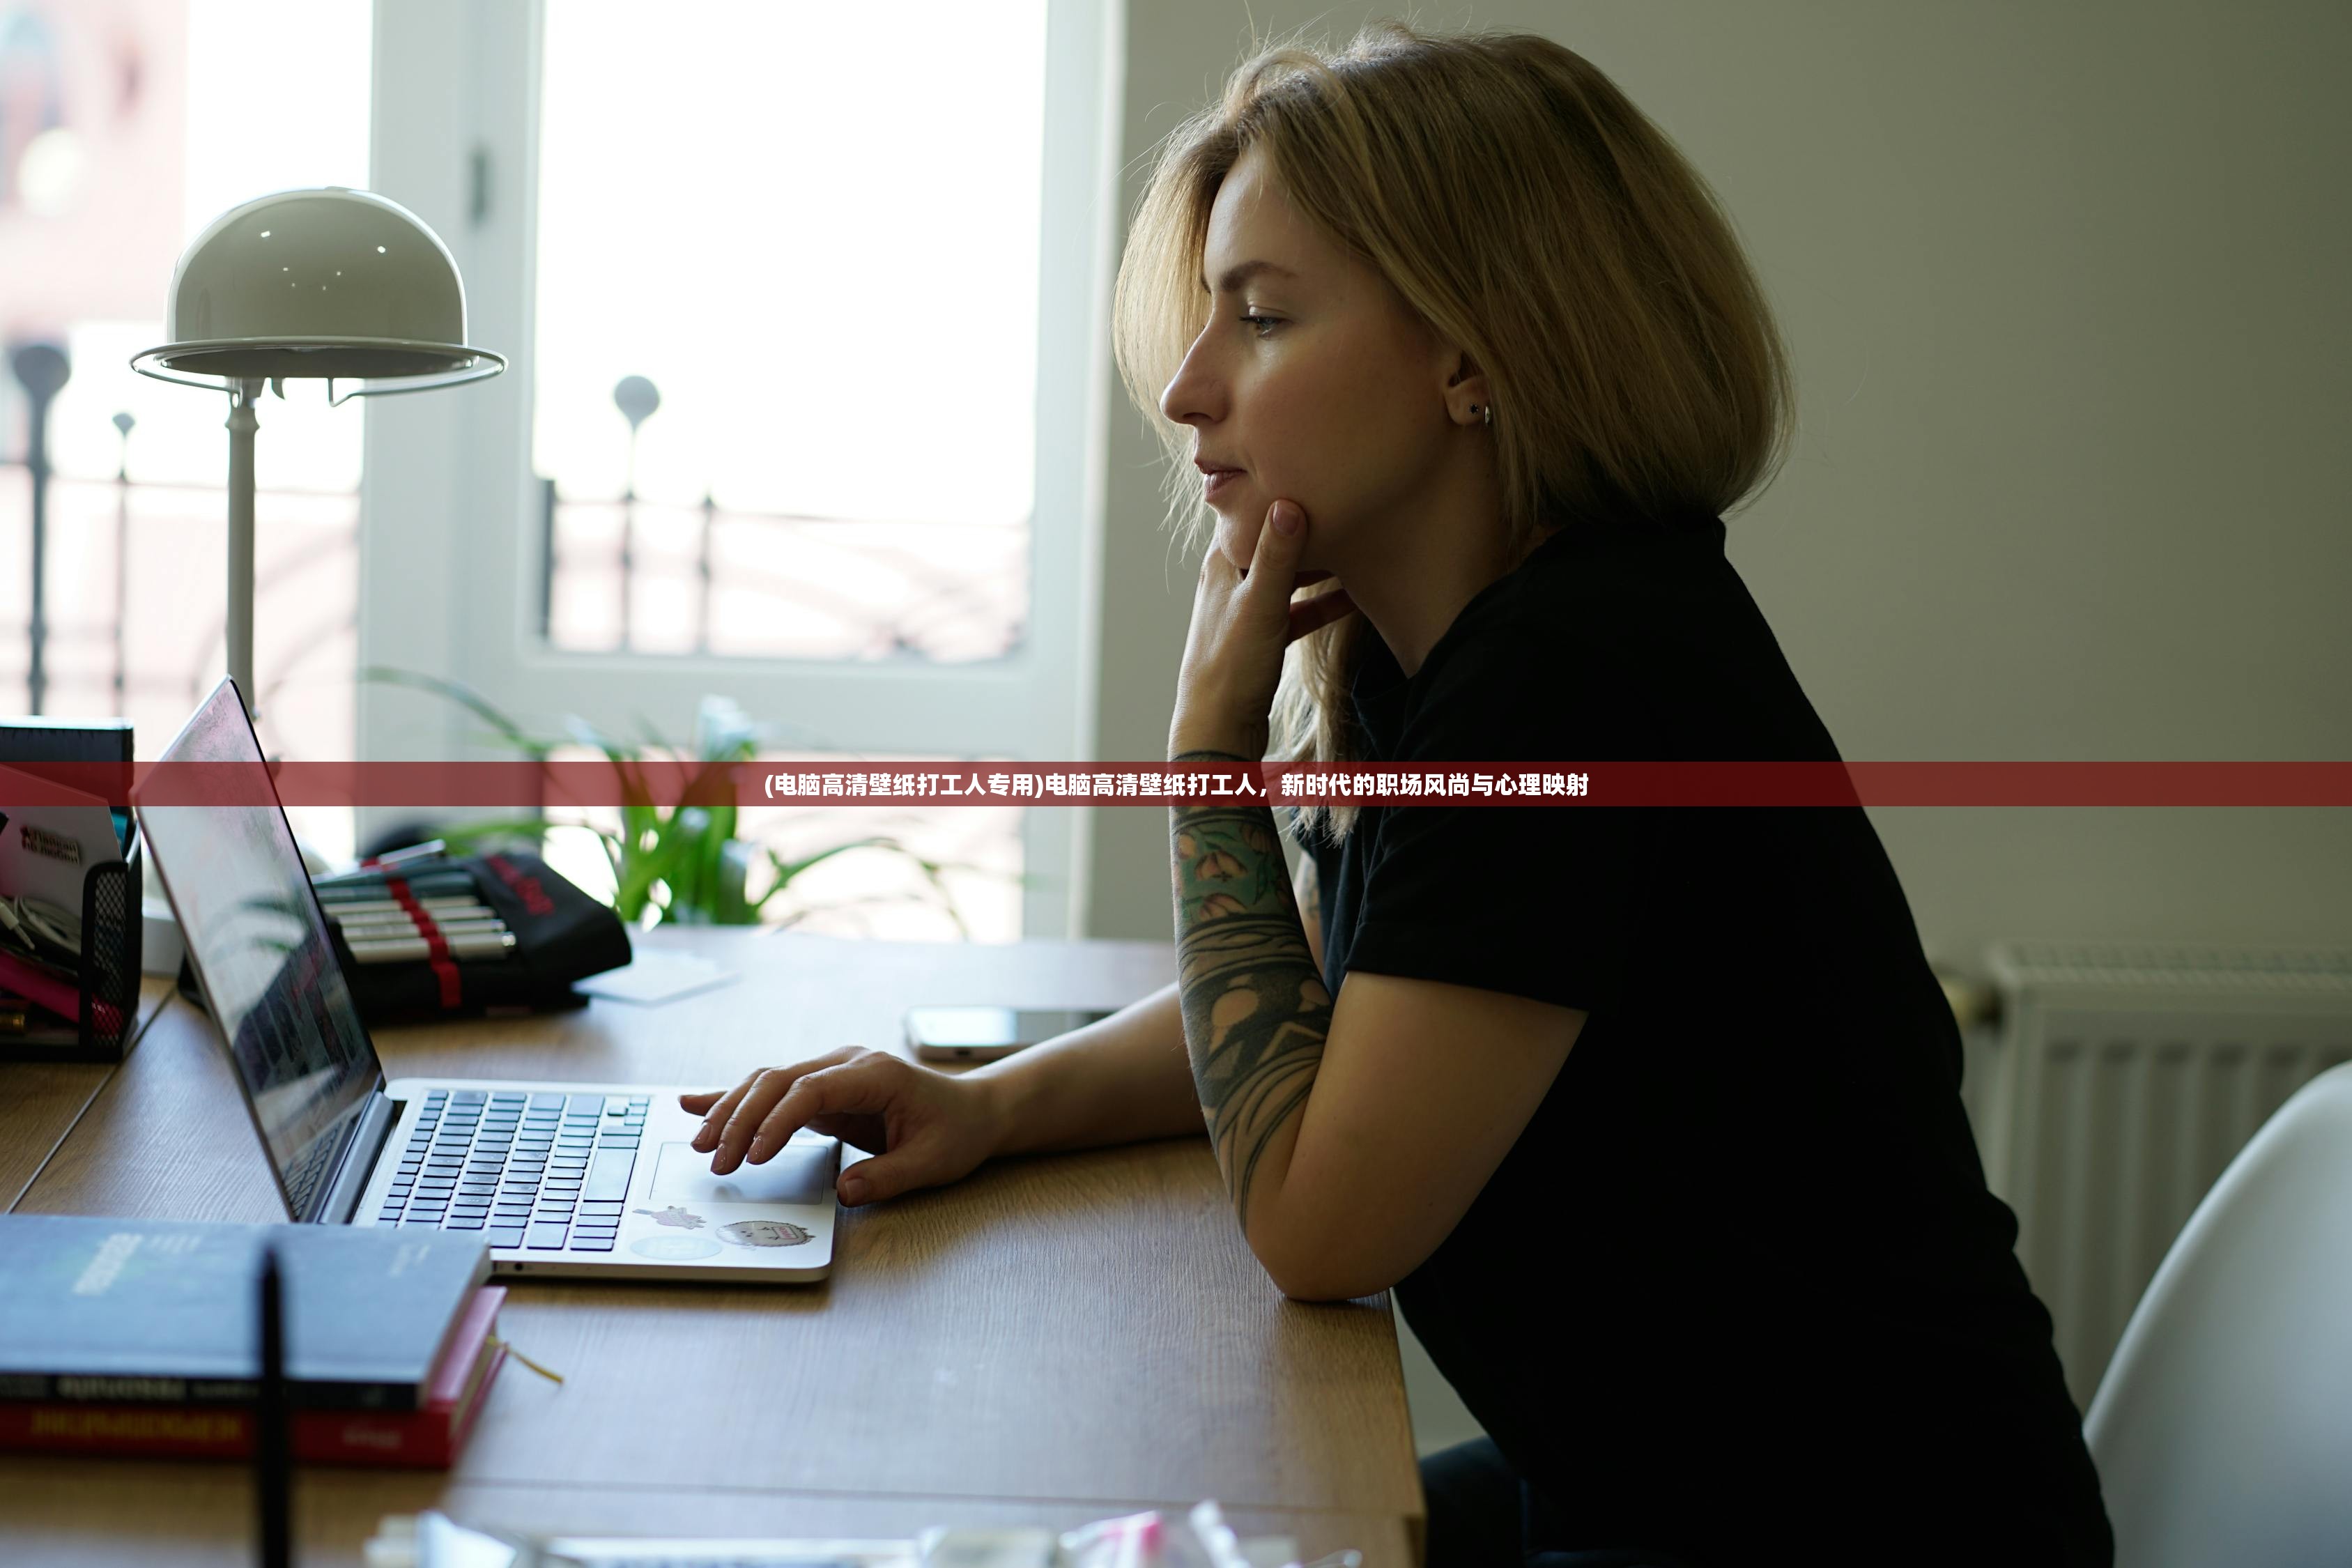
(358, 1159)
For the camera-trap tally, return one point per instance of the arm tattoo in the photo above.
(1255, 1010)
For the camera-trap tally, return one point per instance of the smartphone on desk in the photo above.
(984, 1034)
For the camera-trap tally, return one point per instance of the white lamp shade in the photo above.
(330, 282)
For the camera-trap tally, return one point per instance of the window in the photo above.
(862, 258)
(125, 131)
(823, 308)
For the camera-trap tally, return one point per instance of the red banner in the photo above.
(528, 785)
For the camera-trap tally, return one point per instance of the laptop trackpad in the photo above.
(801, 1173)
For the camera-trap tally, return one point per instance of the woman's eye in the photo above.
(1262, 325)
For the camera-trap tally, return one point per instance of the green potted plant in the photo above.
(682, 864)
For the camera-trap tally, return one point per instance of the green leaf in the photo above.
(653, 736)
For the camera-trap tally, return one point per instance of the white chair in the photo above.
(2222, 1430)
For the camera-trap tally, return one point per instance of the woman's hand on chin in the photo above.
(1242, 620)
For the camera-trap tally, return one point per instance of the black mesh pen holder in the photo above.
(106, 982)
(111, 896)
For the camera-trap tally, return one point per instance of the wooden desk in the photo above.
(1056, 1338)
(41, 1101)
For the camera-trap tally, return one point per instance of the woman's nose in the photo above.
(1193, 396)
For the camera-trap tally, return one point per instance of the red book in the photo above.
(428, 1437)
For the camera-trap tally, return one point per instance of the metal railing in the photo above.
(42, 370)
(593, 549)
(930, 611)
(128, 677)
(809, 587)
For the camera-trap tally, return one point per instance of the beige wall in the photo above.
(2065, 286)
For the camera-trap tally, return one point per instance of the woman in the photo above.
(1649, 1118)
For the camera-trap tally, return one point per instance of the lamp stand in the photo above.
(242, 423)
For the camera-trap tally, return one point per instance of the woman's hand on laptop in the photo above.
(925, 1129)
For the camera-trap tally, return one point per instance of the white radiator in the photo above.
(2117, 1082)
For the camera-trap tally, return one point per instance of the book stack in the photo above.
(142, 1338)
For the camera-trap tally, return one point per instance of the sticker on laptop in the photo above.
(762, 1233)
(674, 1216)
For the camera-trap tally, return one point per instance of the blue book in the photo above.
(167, 1311)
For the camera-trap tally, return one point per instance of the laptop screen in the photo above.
(258, 941)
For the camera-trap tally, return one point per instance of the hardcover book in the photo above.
(153, 1312)
(429, 1437)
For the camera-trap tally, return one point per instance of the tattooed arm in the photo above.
(1255, 1010)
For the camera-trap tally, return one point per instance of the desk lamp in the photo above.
(336, 283)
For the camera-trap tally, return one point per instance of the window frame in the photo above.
(449, 524)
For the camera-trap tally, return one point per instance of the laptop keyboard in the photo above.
(548, 1172)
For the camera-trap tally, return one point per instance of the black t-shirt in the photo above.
(1739, 1290)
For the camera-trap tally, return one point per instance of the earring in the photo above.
(1489, 411)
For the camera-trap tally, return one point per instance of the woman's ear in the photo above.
(1466, 401)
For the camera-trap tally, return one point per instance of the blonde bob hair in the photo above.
(1523, 207)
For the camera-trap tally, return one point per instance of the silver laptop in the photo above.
(556, 1178)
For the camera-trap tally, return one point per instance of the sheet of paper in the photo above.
(655, 976)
